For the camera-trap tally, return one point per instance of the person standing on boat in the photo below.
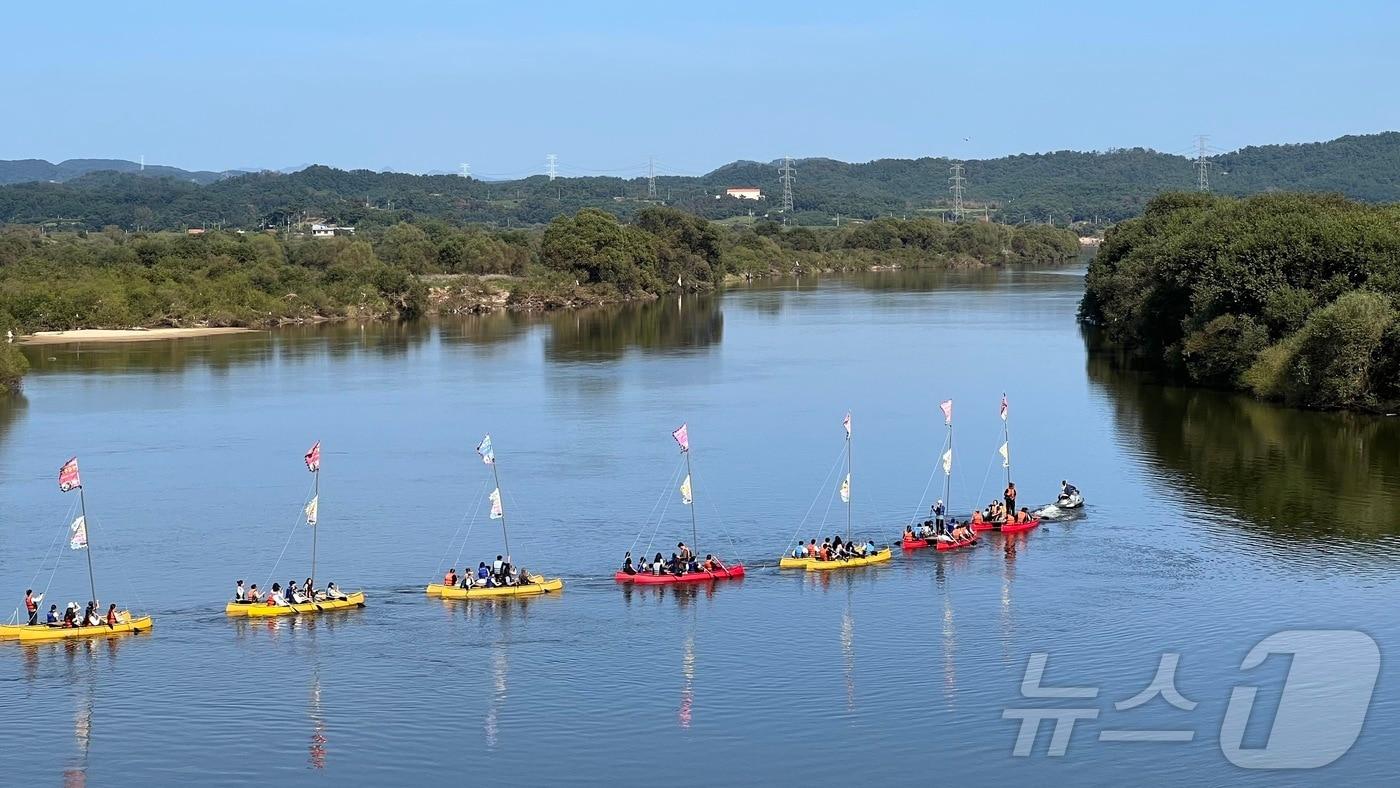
(112, 616)
(31, 605)
(1011, 498)
(938, 516)
(685, 553)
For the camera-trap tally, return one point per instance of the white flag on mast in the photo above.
(948, 462)
(685, 490)
(846, 489)
(312, 510)
(496, 511)
(78, 529)
(1005, 455)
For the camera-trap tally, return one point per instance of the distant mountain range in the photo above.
(1061, 186)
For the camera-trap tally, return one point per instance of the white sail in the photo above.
(846, 489)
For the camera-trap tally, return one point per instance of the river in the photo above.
(1212, 523)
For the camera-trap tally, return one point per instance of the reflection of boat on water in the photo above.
(316, 751)
(115, 622)
(848, 652)
(500, 667)
(687, 681)
(322, 603)
(538, 584)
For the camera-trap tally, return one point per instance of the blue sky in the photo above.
(419, 86)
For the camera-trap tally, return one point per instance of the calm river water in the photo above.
(1213, 522)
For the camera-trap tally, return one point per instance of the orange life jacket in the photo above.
(30, 604)
(449, 579)
(111, 618)
(977, 517)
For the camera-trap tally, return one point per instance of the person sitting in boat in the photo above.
(1024, 516)
(254, 595)
(711, 564)
(308, 590)
(450, 579)
(977, 518)
(909, 534)
(111, 615)
(240, 594)
(627, 567)
(483, 574)
(800, 551)
(52, 618)
(812, 549)
(90, 617)
(334, 593)
(686, 554)
(838, 548)
(275, 599)
(70, 615)
(497, 567)
(945, 535)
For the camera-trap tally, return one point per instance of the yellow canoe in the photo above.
(264, 610)
(537, 585)
(43, 632)
(11, 631)
(788, 562)
(850, 563)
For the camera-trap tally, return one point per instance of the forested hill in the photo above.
(1063, 186)
(28, 170)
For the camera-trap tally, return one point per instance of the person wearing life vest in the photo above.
(70, 616)
(450, 579)
(686, 554)
(31, 605)
(977, 517)
(254, 595)
(52, 619)
(812, 549)
(112, 615)
(1010, 496)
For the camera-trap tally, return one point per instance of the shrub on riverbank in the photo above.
(13, 365)
(1290, 296)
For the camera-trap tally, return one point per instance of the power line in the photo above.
(1202, 164)
(786, 178)
(956, 187)
(551, 166)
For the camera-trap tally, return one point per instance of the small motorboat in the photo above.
(1072, 501)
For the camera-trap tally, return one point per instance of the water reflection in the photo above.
(317, 749)
(500, 668)
(687, 679)
(848, 652)
(606, 333)
(11, 408)
(1295, 473)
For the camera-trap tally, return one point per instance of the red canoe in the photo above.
(919, 544)
(648, 579)
(1006, 528)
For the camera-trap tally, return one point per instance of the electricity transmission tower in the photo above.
(551, 166)
(466, 170)
(956, 181)
(1202, 164)
(651, 178)
(786, 177)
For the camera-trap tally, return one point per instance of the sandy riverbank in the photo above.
(123, 335)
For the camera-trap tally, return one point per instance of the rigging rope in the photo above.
(465, 513)
(664, 491)
(267, 584)
(840, 455)
(660, 518)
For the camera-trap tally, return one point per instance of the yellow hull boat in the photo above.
(788, 562)
(264, 610)
(537, 585)
(44, 632)
(850, 563)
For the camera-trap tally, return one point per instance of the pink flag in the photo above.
(1003, 407)
(68, 476)
(846, 422)
(947, 407)
(682, 437)
(313, 458)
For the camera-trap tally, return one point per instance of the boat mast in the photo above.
(694, 532)
(948, 475)
(87, 534)
(315, 527)
(495, 474)
(849, 494)
(1006, 438)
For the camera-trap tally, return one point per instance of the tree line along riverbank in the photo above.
(1291, 297)
(114, 279)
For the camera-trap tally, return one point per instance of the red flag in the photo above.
(313, 458)
(1003, 407)
(947, 407)
(68, 476)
